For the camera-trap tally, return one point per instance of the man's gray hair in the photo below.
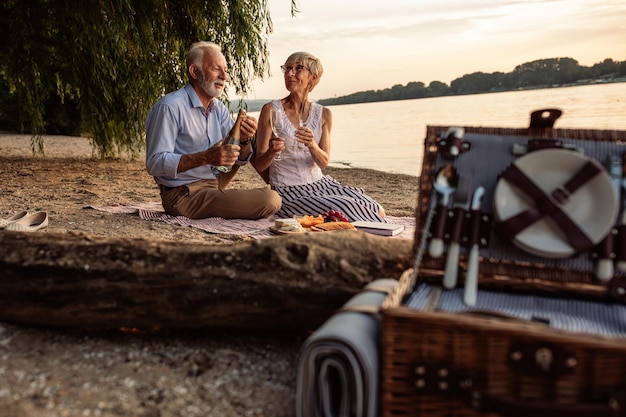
(196, 52)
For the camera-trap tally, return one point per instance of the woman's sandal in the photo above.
(5, 222)
(30, 223)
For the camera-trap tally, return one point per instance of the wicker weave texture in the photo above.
(480, 350)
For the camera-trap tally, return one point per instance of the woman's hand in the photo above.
(276, 145)
(304, 135)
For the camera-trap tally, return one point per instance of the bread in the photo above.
(326, 227)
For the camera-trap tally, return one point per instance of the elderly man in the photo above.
(184, 136)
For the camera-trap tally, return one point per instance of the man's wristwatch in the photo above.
(245, 142)
(241, 163)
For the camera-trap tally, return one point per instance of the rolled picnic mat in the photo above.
(338, 365)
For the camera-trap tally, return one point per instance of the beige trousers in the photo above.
(204, 198)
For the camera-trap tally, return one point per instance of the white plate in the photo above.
(593, 207)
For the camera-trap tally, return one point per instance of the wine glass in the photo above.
(277, 125)
(302, 119)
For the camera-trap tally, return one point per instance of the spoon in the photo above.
(445, 184)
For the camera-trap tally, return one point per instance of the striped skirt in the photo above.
(327, 194)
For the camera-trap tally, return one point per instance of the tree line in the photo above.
(543, 73)
(95, 67)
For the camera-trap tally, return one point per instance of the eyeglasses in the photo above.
(287, 68)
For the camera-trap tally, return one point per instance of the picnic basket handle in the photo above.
(615, 406)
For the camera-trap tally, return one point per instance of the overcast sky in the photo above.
(371, 45)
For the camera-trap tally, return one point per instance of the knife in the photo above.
(461, 205)
(604, 265)
(471, 278)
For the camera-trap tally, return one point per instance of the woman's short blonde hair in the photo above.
(310, 61)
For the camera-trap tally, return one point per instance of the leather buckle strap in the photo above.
(589, 170)
(548, 205)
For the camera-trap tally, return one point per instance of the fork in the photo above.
(461, 206)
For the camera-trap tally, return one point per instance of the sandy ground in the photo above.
(51, 372)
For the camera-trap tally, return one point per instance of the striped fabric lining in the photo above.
(578, 316)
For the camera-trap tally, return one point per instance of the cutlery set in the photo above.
(458, 229)
(464, 218)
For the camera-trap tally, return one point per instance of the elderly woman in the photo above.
(293, 147)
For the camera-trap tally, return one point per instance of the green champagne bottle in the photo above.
(233, 137)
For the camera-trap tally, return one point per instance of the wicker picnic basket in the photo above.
(477, 362)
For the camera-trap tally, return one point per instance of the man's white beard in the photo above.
(209, 87)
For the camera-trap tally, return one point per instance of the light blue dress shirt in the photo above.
(176, 125)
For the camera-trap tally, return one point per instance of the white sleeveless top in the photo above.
(296, 166)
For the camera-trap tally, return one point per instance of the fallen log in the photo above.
(284, 283)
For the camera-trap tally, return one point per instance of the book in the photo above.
(377, 228)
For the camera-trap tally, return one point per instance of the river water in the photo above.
(389, 136)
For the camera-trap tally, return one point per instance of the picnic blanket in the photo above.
(257, 229)
(338, 365)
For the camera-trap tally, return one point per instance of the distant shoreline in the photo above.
(256, 104)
